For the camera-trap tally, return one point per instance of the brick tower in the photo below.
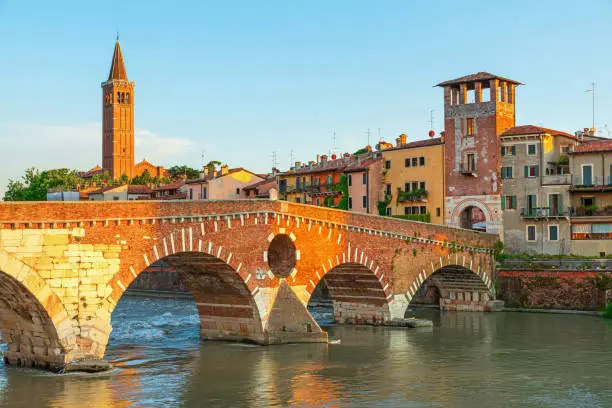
(477, 109)
(118, 119)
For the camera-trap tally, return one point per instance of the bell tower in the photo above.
(118, 119)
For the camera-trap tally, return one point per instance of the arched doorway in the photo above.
(472, 217)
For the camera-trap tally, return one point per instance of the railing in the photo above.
(590, 211)
(542, 212)
(468, 170)
(557, 179)
(596, 183)
(415, 195)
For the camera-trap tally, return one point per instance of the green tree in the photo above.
(35, 184)
(144, 179)
(212, 166)
(179, 171)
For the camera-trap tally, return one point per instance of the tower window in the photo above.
(127, 98)
(470, 127)
(118, 97)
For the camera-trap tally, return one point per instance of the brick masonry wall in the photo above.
(552, 290)
(77, 260)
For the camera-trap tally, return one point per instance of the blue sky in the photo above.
(240, 79)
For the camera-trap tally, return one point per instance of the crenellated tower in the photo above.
(118, 119)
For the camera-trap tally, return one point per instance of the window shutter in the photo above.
(513, 202)
(560, 204)
(537, 171)
(526, 171)
(503, 151)
(503, 202)
(514, 150)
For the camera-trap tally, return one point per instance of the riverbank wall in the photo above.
(558, 289)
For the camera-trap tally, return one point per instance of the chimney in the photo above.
(318, 158)
(346, 155)
(324, 158)
(442, 136)
(274, 171)
(401, 140)
(298, 165)
(224, 170)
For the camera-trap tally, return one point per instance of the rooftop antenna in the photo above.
(117, 35)
(202, 156)
(431, 119)
(368, 133)
(274, 159)
(592, 90)
(379, 136)
(291, 158)
(334, 142)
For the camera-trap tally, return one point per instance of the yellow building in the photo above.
(413, 177)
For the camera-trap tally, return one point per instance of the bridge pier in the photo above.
(469, 301)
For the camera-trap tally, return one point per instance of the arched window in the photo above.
(118, 97)
(127, 98)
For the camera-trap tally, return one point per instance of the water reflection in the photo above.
(466, 360)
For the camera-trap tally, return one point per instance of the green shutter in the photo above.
(503, 151)
(526, 171)
(503, 202)
(561, 204)
(514, 202)
(537, 171)
(514, 150)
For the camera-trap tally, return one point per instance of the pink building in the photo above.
(365, 187)
(225, 184)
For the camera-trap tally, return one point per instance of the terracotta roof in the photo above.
(321, 167)
(103, 189)
(171, 186)
(117, 69)
(138, 189)
(592, 147)
(480, 76)
(418, 143)
(259, 184)
(362, 165)
(91, 172)
(535, 130)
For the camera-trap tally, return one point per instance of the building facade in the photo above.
(477, 108)
(226, 184)
(364, 184)
(121, 193)
(413, 178)
(535, 178)
(591, 198)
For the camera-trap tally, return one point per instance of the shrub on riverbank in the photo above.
(607, 312)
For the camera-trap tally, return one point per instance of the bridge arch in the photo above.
(462, 283)
(359, 290)
(227, 297)
(33, 320)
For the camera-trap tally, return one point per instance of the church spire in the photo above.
(117, 70)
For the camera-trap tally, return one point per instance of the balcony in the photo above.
(468, 170)
(591, 211)
(594, 184)
(418, 195)
(557, 179)
(542, 212)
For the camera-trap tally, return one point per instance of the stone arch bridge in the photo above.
(251, 266)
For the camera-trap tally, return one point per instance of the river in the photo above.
(466, 360)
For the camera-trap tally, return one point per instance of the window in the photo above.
(237, 191)
(423, 209)
(508, 202)
(531, 150)
(350, 202)
(388, 211)
(532, 171)
(555, 204)
(364, 178)
(407, 210)
(328, 180)
(531, 233)
(506, 172)
(319, 201)
(564, 149)
(553, 232)
(387, 164)
(190, 194)
(587, 174)
(127, 98)
(415, 161)
(470, 127)
(350, 180)
(388, 189)
(415, 185)
(204, 193)
(421, 161)
(298, 199)
(115, 198)
(422, 185)
(437, 211)
(532, 202)
(406, 162)
(471, 162)
(508, 151)
(407, 187)
(364, 201)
